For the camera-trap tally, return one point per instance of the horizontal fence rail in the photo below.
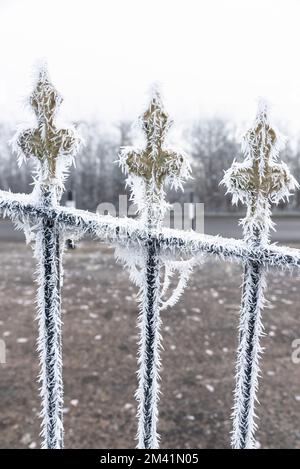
(150, 252)
(132, 232)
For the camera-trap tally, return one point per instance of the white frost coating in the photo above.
(244, 425)
(148, 171)
(257, 182)
(151, 253)
(151, 168)
(148, 390)
(53, 150)
(184, 270)
(133, 260)
(131, 233)
(49, 343)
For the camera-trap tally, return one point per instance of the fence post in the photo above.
(258, 181)
(148, 170)
(48, 145)
(149, 353)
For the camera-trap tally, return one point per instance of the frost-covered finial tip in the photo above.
(46, 142)
(155, 121)
(263, 109)
(44, 99)
(155, 94)
(262, 141)
(40, 71)
(260, 177)
(155, 163)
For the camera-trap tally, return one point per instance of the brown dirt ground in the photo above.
(100, 335)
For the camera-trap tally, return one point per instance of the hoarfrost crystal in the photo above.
(149, 169)
(257, 182)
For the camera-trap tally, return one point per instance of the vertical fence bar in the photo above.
(148, 360)
(257, 182)
(48, 254)
(49, 341)
(249, 350)
(148, 170)
(49, 146)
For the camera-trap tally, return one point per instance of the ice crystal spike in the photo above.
(154, 163)
(46, 142)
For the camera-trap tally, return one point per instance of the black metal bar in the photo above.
(151, 336)
(51, 336)
(248, 334)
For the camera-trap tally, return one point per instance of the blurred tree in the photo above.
(213, 147)
(11, 176)
(124, 129)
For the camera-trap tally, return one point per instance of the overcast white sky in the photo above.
(212, 56)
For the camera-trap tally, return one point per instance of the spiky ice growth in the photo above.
(248, 358)
(53, 148)
(151, 168)
(48, 252)
(260, 179)
(257, 182)
(149, 324)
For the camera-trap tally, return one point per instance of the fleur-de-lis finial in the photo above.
(154, 163)
(260, 180)
(46, 142)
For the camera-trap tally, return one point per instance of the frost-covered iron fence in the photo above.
(151, 253)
